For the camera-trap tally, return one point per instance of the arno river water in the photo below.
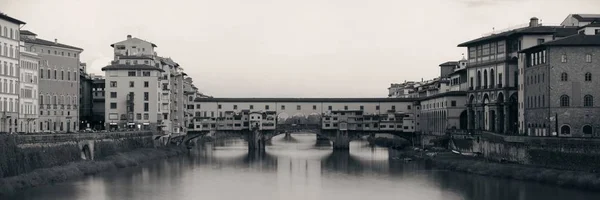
(294, 170)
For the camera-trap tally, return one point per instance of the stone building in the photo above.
(9, 72)
(98, 102)
(494, 75)
(132, 87)
(58, 83)
(85, 98)
(28, 85)
(561, 82)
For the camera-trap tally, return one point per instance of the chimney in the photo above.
(533, 22)
(128, 36)
(55, 41)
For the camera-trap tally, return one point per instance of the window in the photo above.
(131, 84)
(145, 73)
(251, 107)
(564, 76)
(393, 107)
(587, 129)
(282, 107)
(540, 41)
(564, 101)
(146, 116)
(453, 103)
(408, 107)
(563, 58)
(266, 107)
(345, 107)
(131, 73)
(113, 95)
(588, 100)
(146, 107)
(362, 107)
(329, 107)
(376, 107)
(146, 84)
(588, 76)
(146, 96)
(298, 107)
(314, 107)
(235, 107)
(138, 116)
(113, 84)
(219, 106)
(113, 105)
(198, 106)
(565, 129)
(588, 58)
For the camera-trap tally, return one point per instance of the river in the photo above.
(298, 169)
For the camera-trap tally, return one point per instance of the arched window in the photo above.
(587, 129)
(588, 76)
(485, 78)
(190, 98)
(492, 77)
(564, 101)
(565, 129)
(588, 100)
(41, 99)
(478, 78)
(564, 77)
(68, 100)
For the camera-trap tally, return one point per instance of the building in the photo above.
(561, 84)
(86, 98)
(98, 102)
(58, 83)
(401, 90)
(28, 85)
(9, 72)
(580, 20)
(495, 74)
(133, 87)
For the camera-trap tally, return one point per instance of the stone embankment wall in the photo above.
(25, 153)
(582, 154)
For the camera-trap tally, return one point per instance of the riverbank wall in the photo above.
(577, 154)
(35, 160)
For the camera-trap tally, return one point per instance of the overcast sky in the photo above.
(287, 48)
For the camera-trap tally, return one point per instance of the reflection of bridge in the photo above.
(258, 138)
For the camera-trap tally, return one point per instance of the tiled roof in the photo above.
(449, 63)
(518, 31)
(587, 17)
(48, 43)
(131, 67)
(10, 19)
(26, 32)
(574, 40)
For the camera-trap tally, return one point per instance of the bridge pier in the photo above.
(342, 140)
(256, 141)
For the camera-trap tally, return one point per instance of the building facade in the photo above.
(85, 98)
(58, 83)
(28, 85)
(561, 84)
(132, 87)
(9, 72)
(98, 103)
(494, 73)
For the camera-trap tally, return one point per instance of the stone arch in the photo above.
(492, 78)
(485, 78)
(478, 78)
(513, 113)
(587, 129)
(501, 114)
(565, 129)
(86, 152)
(463, 120)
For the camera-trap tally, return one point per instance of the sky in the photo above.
(288, 48)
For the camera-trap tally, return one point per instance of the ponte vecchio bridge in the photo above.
(338, 119)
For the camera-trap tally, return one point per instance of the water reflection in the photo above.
(295, 168)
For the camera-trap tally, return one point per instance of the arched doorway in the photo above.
(471, 113)
(463, 120)
(513, 115)
(485, 79)
(486, 112)
(500, 102)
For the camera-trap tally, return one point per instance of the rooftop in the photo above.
(586, 17)
(559, 30)
(10, 19)
(304, 100)
(449, 63)
(46, 42)
(574, 40)
(26, 32)
(131, 67)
